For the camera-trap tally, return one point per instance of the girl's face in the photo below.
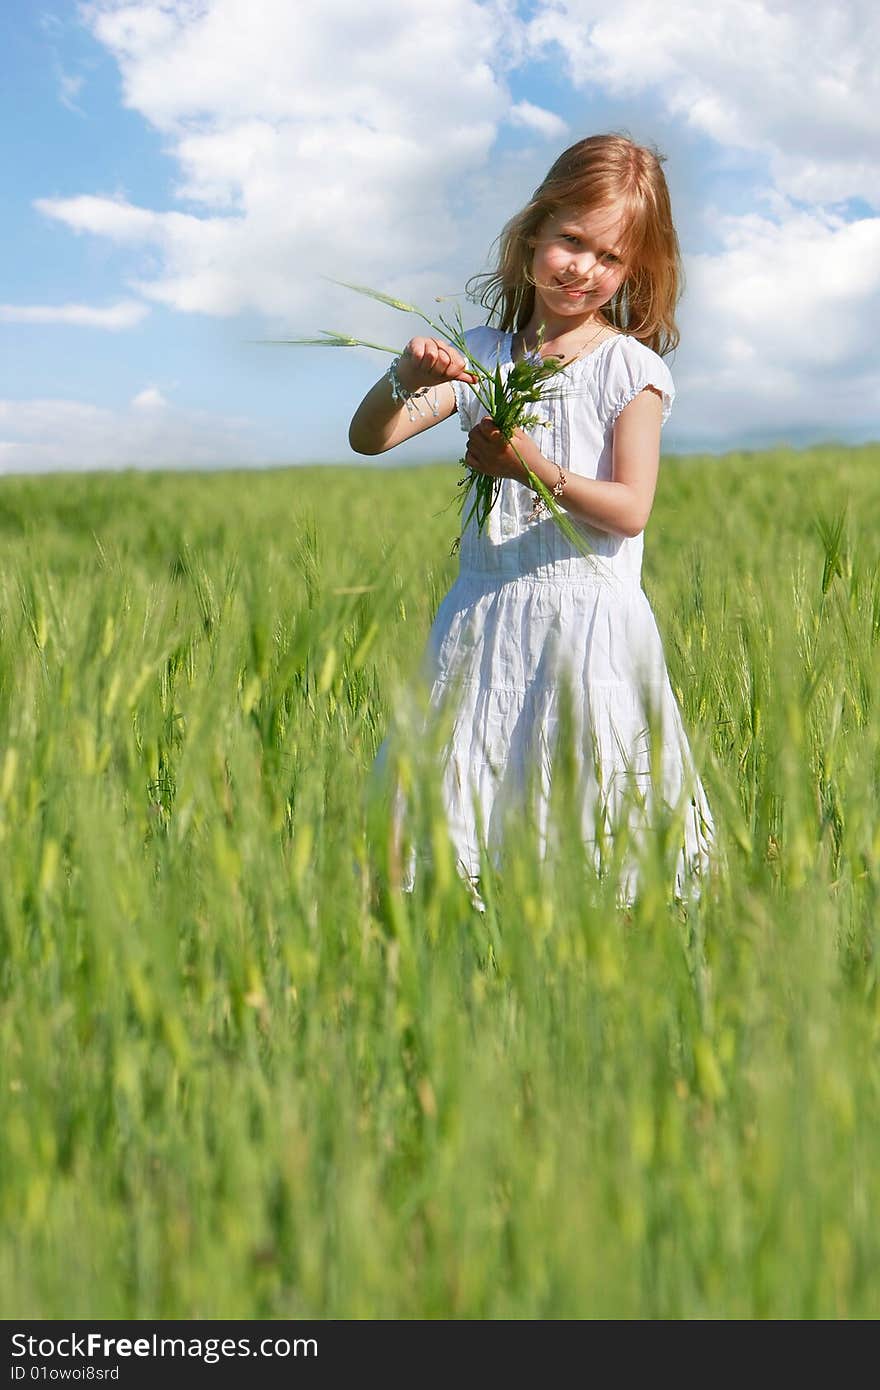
(577, 264)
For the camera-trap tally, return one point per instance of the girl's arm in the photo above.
(621, 505)
(380, 422)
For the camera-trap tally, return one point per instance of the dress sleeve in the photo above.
(465, 400)
(631, 368)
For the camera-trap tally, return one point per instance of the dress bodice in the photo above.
(579, 410)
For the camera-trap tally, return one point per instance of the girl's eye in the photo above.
(609, 257)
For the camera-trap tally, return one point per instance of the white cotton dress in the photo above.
(532, 628)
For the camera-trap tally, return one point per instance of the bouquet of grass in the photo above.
(509, 401)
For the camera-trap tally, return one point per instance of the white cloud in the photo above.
(546, 123)
(112, 217)
(150, 398)
(797, 82)
(316, 138)
(69, 87)
(778, 329)
(126, 314)
(386, 172)
(50, 435)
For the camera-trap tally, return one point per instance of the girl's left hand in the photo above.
(489, 452)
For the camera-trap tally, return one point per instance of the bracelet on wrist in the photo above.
(411, 399)
(540, 506)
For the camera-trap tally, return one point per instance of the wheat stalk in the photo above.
(508, 401)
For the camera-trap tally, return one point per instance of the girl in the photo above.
(588, 271)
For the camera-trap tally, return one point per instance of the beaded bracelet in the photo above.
(411, 398)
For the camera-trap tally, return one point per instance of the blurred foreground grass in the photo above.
(244, 1077)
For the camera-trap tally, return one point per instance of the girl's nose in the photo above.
(583, 264)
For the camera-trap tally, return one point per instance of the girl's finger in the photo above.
(446, 362)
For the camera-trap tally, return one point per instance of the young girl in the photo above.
(589, 272)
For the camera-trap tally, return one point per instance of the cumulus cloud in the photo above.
(111, 217)
(779, 329)
(799, 84)
(126, 314)
(388, 172)
(293, 174)
(546, 123)
(150, 398)
(49, 435)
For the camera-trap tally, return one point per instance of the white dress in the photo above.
(534, 637)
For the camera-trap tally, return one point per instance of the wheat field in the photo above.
(245, 1076)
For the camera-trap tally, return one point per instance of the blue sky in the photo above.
(181, 176)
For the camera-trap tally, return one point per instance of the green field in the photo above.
(244, 1076)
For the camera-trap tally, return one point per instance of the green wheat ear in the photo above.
(329, 339)
(378, 295)
(505, 400)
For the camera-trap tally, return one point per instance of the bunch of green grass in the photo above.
(508, 401)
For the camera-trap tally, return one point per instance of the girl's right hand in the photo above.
(429, 362)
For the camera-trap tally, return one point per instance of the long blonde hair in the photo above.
(589, 175)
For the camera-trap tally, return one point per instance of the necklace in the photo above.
(591, 342)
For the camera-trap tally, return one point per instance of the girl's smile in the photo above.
(577, 264)
(574, 292)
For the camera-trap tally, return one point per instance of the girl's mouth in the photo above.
(573, 291)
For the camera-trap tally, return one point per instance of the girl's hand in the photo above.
(428, 362)
(489, 452)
